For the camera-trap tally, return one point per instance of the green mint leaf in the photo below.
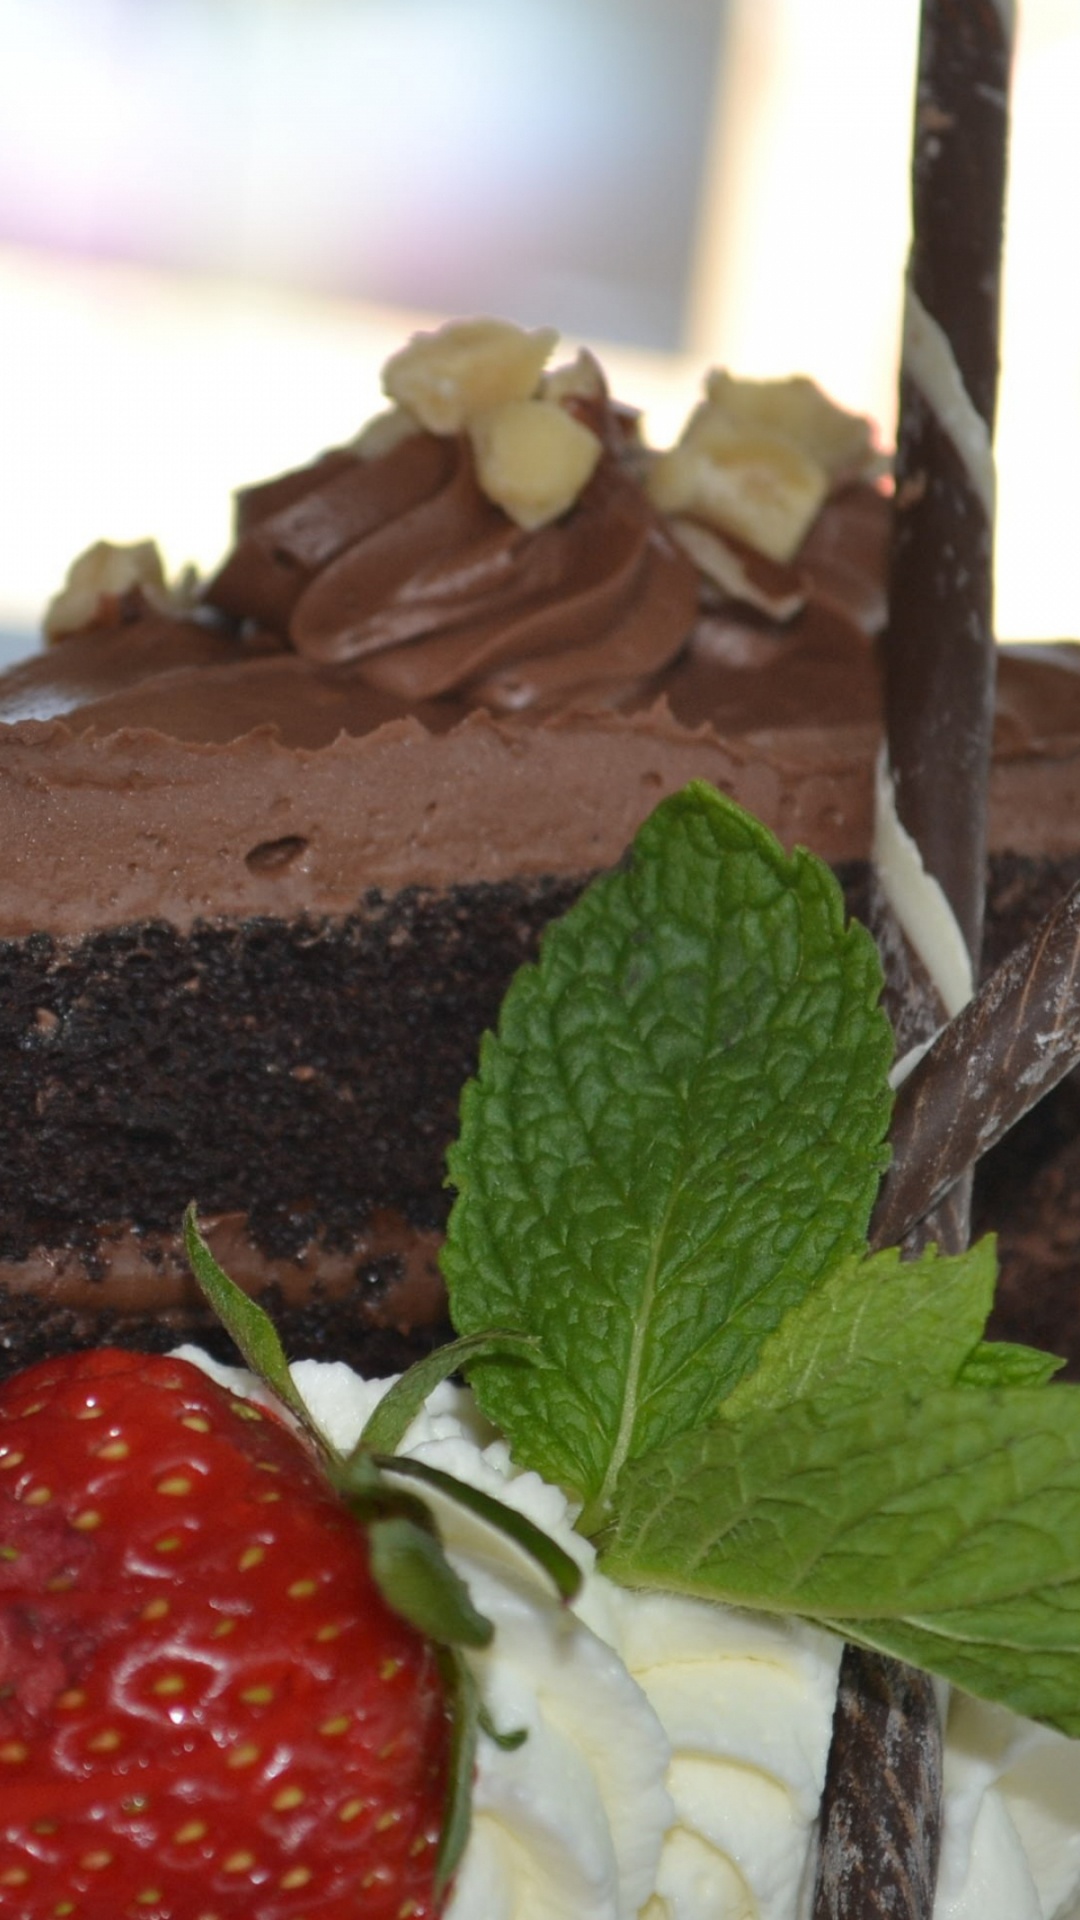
(251, 1330)
(998, 1363)
(675, 1135)
(943, 1528)
(390, 1421)
(1025, 1658)
(906, 1324)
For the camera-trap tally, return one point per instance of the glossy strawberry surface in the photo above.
(206, 1707)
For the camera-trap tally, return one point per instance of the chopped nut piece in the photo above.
(797, 410)
(580, 379)
(758, 458)
(466, 368)
(533, 459)
(383, 432)
(754, 484)
(105, 572)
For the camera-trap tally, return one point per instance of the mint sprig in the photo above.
(665, 1174)
(943, 1527)
(918, 1323)
(676, 1134)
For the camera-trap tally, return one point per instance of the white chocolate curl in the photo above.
(929, 359)
(918, 900)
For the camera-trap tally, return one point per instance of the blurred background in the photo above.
(218, 217)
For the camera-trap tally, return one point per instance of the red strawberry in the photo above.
(206, 1707)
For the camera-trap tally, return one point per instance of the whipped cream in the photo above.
(676, 1750)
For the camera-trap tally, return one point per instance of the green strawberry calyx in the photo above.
(408, 1561)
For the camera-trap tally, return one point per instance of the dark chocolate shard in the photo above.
(881, 1811)
(986, 1069)
(912, 1004)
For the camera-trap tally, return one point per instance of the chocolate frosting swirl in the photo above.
(403, 569)
(738, 670)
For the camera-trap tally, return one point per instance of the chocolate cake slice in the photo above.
(271, 860)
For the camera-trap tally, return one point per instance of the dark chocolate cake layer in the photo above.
(299, 1079)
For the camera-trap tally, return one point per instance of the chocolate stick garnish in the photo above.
(938, 653)
(881, 1816)
(882, 1789)
(989, 1066)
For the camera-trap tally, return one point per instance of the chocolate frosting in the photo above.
(402, 566)
(202, 766)
(601, 611)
